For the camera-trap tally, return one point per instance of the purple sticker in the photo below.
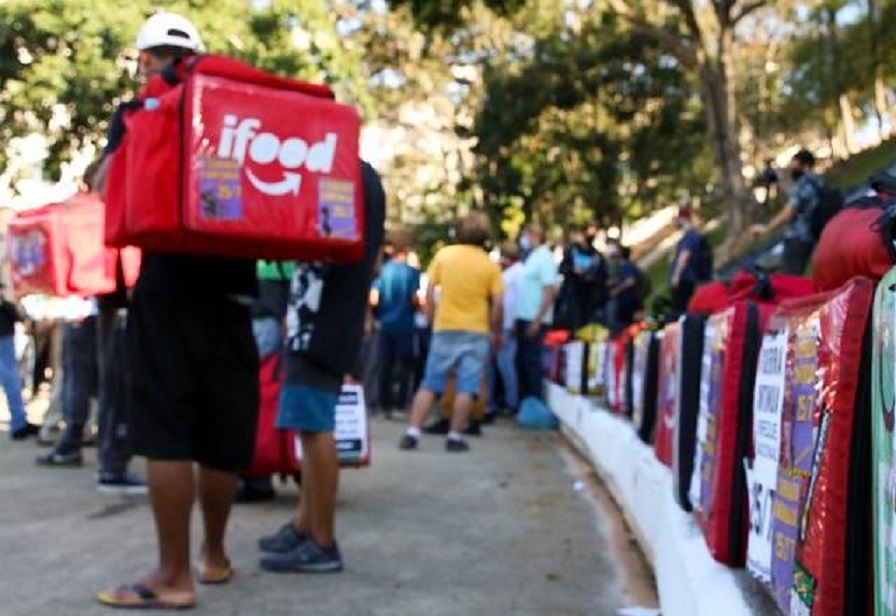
(336, 199)
(710, 447)
(220, 190)
(798, 445)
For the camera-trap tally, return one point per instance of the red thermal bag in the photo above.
(58, 250)
(224, 159)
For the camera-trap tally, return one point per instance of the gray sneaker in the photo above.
(308, 557)
(284, 540)
(124, 483)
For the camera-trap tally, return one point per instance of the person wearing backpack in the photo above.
(812, 203)
(692, 262)
(195, 389)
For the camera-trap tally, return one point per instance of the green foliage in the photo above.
(70, 60)
(591, 126)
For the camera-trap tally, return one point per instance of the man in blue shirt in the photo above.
(395, 302)
(536, 293)
(683, 274)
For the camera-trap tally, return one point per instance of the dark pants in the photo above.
(530, 361)
(796, 257)
(93, 360)
(396, 360)
(115, 443)
(681, 296)
(422, 339)
(80, 377)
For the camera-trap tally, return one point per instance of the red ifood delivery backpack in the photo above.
(224, 159)
(58, 250)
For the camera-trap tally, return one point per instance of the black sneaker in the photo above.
(26, 431)
(474, 428)
(439, 427)
(308, 557)
(247, 495)
(284, 540)
(124, 483)
(408, 442)
(456, 446)
(61, 460)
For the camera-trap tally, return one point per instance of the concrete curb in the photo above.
(689, 581)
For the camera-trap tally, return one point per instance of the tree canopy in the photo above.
(557, 110)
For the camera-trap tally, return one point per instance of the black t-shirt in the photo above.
(328, 303)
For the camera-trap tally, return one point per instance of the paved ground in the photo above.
(504, 530)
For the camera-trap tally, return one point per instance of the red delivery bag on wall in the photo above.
(718, 484)
(810, 496)
(224, 159)
(667, 393)
(58, 250)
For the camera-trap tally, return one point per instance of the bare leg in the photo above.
(216, 490)
(171, 493)
(422, 404)
(463, 405)
(320, 483)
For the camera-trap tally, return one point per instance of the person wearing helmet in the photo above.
(194, 390)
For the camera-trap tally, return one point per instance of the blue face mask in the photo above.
(525, 242)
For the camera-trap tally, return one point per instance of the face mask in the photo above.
(589, 239)
(525, 242)
(797, 174)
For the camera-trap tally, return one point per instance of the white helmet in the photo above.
(169, 30)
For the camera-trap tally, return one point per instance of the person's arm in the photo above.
(497, 317)
(415, 288)
(681, 264)
(784, 216)
(548, 297)
(430, 308)
(622, 287)
(566, 265)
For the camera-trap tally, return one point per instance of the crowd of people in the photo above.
(173, 364)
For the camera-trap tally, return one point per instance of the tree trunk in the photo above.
(720, 98)
(848, 124)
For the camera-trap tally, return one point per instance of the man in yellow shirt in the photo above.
(466, 290)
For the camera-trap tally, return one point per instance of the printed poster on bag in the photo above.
(575, 356)
(762, 471)
(800, 434)
(351, 434)
(710, 393)
(884, 446)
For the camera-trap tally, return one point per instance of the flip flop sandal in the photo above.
(212, 577)
(140, 597)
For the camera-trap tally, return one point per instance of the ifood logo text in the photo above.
(240, 139)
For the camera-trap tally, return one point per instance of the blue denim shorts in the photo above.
(308, 397)
(464, 353)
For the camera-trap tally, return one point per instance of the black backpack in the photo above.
(830, 202)
(704, 266)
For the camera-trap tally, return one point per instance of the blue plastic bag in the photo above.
(535, 415)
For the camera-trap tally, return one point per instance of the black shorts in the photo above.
(194, 394)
